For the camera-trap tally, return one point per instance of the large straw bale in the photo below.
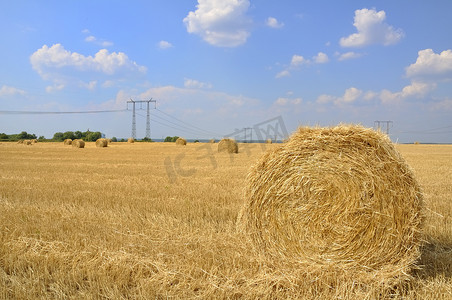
(100, 143)
(338, 198)
(67, 142)
(181, 142)
(78, 143)
(212, 141)
(131, 140)
(228, 145)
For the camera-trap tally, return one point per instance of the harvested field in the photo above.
(150, 220)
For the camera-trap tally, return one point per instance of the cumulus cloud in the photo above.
(192, 83)
(274, 23)
(62, 66)
(10, 91)
(430, 65)
(221, 23)
(348, 55)
(414, 90)
(372, 29)
(92, 39)
(320, 58)
(298, 60)
(165, 45)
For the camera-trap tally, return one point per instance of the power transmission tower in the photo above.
(377, 125)
(148, 117)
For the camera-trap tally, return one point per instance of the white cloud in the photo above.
(351, 95)
(430, 65)
(444, 105)
(273, 23)
(321, 58)
(221, 23)
(349, 55)
(64, 67)
(165, 45)
(414, 90)
(281, 101)
(297, 60)
(93, 39)
(283, 73)
(372, 29)
(10, 91)
(195, 84)
(324, 99)
(55, 87)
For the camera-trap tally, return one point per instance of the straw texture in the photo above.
(100, 143)
(131, 140)
(338, 198)
(181, 142)
(228, 145)
(78, 143)
(67, 142)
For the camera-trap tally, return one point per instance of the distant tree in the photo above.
(93, 136)
(25, 136)
(41, 137)
(69, 135)
(4, 136)
(146, 139)
(114, 139)
(174, 139)
(58, 136)
(78, 134)
(196, 141)
(122, 140)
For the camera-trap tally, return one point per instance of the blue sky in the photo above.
(222, 65)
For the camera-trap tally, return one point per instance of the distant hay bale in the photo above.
(34, 141)
(100, 143)
(67, 142)
(131, 140)
(212, 141)
(416, 143)
(269, 141)
(78, 143)
(339, 198)
(109, 141)
(20, 141)
(181, 142)
(228, 145)
(27, 142)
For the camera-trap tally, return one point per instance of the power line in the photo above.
(188, 124)
(21, 112)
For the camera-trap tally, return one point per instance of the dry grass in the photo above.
(124, 231)
(67, 142)
(131, 140)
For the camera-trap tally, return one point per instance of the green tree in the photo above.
(58, 136)
(69, 135)
(174, 139)
(93, 136)
(78, 134)
(114, 139)
(4, 136)
(41, 137)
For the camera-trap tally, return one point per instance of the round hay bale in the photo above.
(100, 143)
(109, 141)
(337, 198)
(269, 141)
(20, 141)
(67, 142)
(131, 140)
(78, 143)
(27, 142)
(34, 141)
(212, 141)
(228, 145)
(181, 142)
